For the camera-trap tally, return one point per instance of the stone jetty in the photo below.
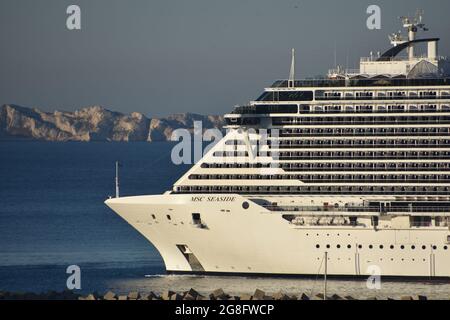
(190, 295)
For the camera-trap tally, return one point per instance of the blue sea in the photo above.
(52, 215)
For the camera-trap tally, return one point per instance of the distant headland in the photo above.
(94, 124)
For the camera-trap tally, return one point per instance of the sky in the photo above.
(160, 57)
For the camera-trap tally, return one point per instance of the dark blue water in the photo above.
(52, 213)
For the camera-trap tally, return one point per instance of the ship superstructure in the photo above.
(356, 165)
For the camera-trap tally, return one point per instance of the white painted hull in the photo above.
(258, 241)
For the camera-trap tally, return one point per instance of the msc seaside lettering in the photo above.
(213, 199)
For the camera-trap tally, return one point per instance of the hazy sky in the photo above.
(165, 56)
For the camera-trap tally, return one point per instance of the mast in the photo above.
(117, 179)
(413, 25)
(291, 81)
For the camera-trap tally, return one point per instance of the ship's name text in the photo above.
(213, 199)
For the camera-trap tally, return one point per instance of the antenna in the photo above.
(335, 54)
(413, 24)
(117, 178)
(291, 82)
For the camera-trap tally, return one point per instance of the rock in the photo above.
(336, 297)
(188, 296)
(420, 297)
(390, 298)
(176, 296)
(259, 295)
(304, 296)
(349, 298)
(90, 297)
(149, 296)
(406, 298)
(319, 296)
(372, 298)
(67, 295)
(167, 294)
(191, 295)
(134, 295)
(110, 296)
(218, 294)
(280, 296)
(122, 297)
(49, 295)
(246, 297)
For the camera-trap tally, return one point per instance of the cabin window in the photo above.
(420, 221)
(196, 219)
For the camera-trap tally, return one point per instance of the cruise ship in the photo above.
(354, 167)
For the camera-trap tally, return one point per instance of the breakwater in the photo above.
(192, 294)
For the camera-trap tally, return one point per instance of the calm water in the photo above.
(52, 215)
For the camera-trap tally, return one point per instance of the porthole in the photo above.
(154, 217)
(245, 205)
(317, 246)
(413, 247)
(370, 246)
(359, 246)
(392, 247)
(349, 246)
(381, 246)
(434, 247)
(168, 217)
(445, 247)
(328, 246)
(402, 247)
(338, 246)
(424, 247)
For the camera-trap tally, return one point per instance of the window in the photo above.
(168, 217)
(196, 219)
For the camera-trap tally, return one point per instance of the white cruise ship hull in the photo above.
(234, 240)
